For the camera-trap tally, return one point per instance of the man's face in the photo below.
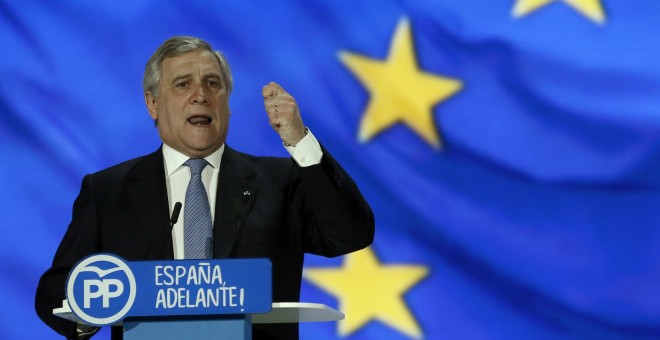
(192, 107)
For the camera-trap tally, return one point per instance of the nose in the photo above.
(199, 95)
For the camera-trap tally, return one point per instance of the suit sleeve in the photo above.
(335, 217)
(80, 240)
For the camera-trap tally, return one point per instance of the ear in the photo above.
(150, 100)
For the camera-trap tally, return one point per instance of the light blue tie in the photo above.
(197, 225)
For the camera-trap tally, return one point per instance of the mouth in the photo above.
(200, 120)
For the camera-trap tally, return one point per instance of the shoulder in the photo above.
(149, 164)
(120, 168)
(258, 164)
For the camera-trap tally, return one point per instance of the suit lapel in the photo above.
(235, 196)
(148, 193)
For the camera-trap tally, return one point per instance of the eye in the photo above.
(183, 84)
(213, 83)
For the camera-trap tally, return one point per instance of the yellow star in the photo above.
(400, 91)
(368, 290)
(589, 8)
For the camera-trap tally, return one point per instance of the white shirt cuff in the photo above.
(307, 152)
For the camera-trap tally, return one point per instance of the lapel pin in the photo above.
(246, 193)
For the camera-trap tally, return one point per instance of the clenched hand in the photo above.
(283, 114)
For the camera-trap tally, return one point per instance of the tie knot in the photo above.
(196, 165)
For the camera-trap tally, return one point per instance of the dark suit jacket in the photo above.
(289, 211)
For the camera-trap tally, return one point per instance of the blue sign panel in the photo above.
(103, 289)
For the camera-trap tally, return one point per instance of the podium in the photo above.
(281, 312)
(180, 299)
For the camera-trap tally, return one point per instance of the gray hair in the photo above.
(177, 46)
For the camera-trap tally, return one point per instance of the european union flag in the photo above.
(510, 149)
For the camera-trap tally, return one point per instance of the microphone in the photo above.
(156, 253)
(175, 214)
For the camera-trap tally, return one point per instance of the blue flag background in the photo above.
(536, 216)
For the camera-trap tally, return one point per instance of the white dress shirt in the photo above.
(306, 153)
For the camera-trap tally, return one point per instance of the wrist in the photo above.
(294, 145)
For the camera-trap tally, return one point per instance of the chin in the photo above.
(204, 148)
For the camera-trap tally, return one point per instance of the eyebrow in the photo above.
(189, 75)
(177, 78)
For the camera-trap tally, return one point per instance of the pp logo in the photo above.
(101, 289)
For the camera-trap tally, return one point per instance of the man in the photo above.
(278, 208)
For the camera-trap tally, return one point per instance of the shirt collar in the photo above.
(175, 159)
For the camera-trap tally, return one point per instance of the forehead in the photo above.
(199, 61)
